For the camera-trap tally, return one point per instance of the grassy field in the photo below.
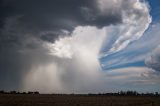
(76, 100)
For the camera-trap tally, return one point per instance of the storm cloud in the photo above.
(43, 16)
(59, 41)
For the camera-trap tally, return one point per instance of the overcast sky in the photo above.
(80, 46)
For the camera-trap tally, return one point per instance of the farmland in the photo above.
(76, 100)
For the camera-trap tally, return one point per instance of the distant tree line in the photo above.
(128, 93)
(121, 93)
(17, 92)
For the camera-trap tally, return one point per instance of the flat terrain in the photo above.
(76, 100)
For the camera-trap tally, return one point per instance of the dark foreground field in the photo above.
(76, 100)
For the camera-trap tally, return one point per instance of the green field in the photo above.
(76, 100)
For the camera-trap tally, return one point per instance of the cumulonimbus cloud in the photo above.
(76, 66)
(63, 57)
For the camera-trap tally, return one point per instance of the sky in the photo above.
(80, 46)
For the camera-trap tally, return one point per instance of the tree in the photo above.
(2, 92)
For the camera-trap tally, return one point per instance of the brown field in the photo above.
(76, 100)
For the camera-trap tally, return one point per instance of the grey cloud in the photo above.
(39, 16)
(49, 36)
(153, 61)
(51, 13)
(26, 24)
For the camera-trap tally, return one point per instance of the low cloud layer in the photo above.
(55, 46)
